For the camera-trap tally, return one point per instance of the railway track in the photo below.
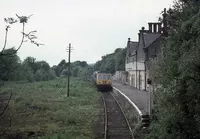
(116, 125)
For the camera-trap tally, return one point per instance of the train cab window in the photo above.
(104, 77)
(109, 77)
(100, 77)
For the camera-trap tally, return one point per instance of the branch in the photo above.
(6, 105)
(30, 36)
(7, 27)
(22, 41)
(6, 128)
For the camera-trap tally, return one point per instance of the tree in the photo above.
(7, 64)
(30, 62)
(43, 65)
(112, 62)
(8, 57)
(76, 71)
(97, 65)
(120, 57)
(30, 36)
(177, 76)
(56, 69)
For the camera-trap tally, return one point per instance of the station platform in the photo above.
(138, 98)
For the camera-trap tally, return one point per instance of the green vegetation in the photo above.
(43, 109)
(177, 75)
(112, 62)
(12, 69)
(77, 69)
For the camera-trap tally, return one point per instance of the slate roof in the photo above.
(132, 47)
(149, 38)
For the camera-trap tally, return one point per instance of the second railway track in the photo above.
(116, 125)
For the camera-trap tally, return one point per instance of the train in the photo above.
(102, 80)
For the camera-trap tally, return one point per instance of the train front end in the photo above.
(104, 81)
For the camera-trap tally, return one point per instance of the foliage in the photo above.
(177, 76)
(77, 69)
(7, 64)
(112, 62)
(27, 73)
(120, 57)
(12, 69)
(30, 36)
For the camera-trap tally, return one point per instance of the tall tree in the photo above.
(8, 57)
(177, 76)
(112, 62)
(8, 65)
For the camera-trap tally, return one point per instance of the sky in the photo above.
(93, 27)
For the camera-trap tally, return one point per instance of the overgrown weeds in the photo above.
(44, 107)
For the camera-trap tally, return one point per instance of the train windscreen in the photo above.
(104, 77)
(100, 77)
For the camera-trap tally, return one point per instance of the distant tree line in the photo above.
(77, 69)
(13, 69)
(112, 62)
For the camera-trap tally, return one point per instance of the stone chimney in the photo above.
(129, 39)
(159, 27)
(155, 27)
(150, 27)
(165, 33)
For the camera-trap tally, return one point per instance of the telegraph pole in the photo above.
(69, 50)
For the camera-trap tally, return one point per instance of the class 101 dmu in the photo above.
(102, 80)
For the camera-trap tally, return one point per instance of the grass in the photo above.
(44, 110)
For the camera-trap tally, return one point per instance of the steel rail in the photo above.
(127, 122)
(106, 117)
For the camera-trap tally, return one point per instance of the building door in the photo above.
(140, 76)
(138, 79)
(130, 80)
(133, 80)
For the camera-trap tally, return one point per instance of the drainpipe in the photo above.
(139, 80)
(145, 74)
(136, 67)
(145, 68)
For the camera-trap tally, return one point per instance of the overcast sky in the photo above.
(93, 27)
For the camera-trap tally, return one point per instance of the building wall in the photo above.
(132, 66)
(151, 55)
(120, 76)
(136, 78)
